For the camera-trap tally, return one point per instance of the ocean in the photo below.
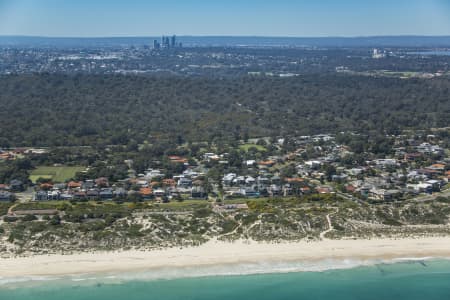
(405, 280)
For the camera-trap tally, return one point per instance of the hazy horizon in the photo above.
(233, 36)
(282, 18)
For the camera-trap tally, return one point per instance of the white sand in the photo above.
(219, 253)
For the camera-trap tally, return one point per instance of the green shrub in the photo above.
(38, 227)
(29, 218)
(55, 221)
(9, 219)
(228, 226)
(443, 199)
(202, 212)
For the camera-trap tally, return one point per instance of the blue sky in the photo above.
(307, 18)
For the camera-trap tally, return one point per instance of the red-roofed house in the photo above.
(74, 185)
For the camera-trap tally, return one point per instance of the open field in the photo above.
(246, 147)
(401, 74)
(56, 174)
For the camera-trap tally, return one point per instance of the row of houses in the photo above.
(13, 186)
(121, 193)
(142, 187)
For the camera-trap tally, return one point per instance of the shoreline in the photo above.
(221, 258)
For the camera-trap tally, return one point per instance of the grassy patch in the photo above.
(243, 200)
(246, 147)
(56, 174)
(184, 205)
(61, 205)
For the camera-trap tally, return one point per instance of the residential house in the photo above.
(227, 179)
(153, 173)
(66, 196)
(74, 185)
(87, 185)
(409, 157)
(102, 182)
(384, 195)
(250, 181)
(421, 187)
(60, 186)
(16, 186)
(435, 184)
(41, 196)
(80, 195)
(339, 178)
(159, 193)
(199, 192)
(266, 163)
(120, 193)
(146, 193)
(184, 182)
(324, 190)
(106, 193)
(6, 196)
(313, 164)
(93, 194)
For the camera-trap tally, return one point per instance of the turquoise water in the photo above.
(413, 280)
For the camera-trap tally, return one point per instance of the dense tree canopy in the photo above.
(55, 110)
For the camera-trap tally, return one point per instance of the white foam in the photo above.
(170, 273)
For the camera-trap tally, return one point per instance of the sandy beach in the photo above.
(219, 253)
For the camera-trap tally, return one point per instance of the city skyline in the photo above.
(285, 18)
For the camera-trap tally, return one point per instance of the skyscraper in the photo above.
(167, 43)
(156, 45)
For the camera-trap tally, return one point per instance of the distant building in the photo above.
(167, 43)
(156, 45)
(377, 54)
